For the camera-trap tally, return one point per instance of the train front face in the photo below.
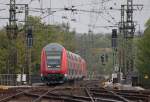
(54, 70)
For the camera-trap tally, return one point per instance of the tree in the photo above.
(143, 62)
(42, 35)
(3, 51)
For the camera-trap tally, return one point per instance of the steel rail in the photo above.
(63, 97)
(129, 94)
(41, 96)
(12, 96)
(119, 96)
(107, 97)
(106, 100)
(135, 97)
(69, 99)
(109, 93)
(72, 96)
(88, 93)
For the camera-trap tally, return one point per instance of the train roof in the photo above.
(52, 46)
(74, 54)
(58, 47)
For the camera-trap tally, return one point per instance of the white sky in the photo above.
(83, 19)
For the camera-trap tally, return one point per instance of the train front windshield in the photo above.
(53, 60)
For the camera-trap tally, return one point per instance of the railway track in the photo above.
(90, 92)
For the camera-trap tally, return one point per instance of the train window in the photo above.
(74, 65)
(68, 55)
(53, 61)
(72, 71)
(69, 71)
(53, 58)
(70, 65)
(78, 66)
(53, 53)
(71, 57)
(80, 60)
(76, 58)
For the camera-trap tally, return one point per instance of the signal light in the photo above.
(29, 38)
(102, 59)
(114, 37)
(114, 33)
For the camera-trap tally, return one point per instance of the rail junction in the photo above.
(84, 91)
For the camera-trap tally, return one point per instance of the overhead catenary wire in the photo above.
(72, 6)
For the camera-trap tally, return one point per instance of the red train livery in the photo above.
(59, 65)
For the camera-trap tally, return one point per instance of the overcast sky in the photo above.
(83, 20)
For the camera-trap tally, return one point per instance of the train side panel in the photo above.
(43, 63)
(64, 64)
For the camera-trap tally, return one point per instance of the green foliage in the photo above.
(143, 62)
(3, 50)
(147, 23)
(92, 53)
(42, 35)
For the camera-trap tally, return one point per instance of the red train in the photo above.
(59, 65)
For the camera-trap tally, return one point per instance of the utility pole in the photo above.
(12, 27)
(26, 69)
(122, 31)
(12, 31)
(126, 48)
(28, 47)
(90, 52)
(129, 35)
(29, 44)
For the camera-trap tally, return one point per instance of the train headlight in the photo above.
(65, 75)
(58, 66)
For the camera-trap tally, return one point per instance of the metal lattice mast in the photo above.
(130, 24)
(127, 29)
(121, 40)
(129, 35)
(27, 50)
(12, 27)
(126, 48)
(12, 31)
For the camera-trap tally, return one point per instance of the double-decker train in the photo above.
(59, 65)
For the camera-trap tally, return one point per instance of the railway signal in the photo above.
(146, 76)
(114, 38)
(102, 59)
(29, 38)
